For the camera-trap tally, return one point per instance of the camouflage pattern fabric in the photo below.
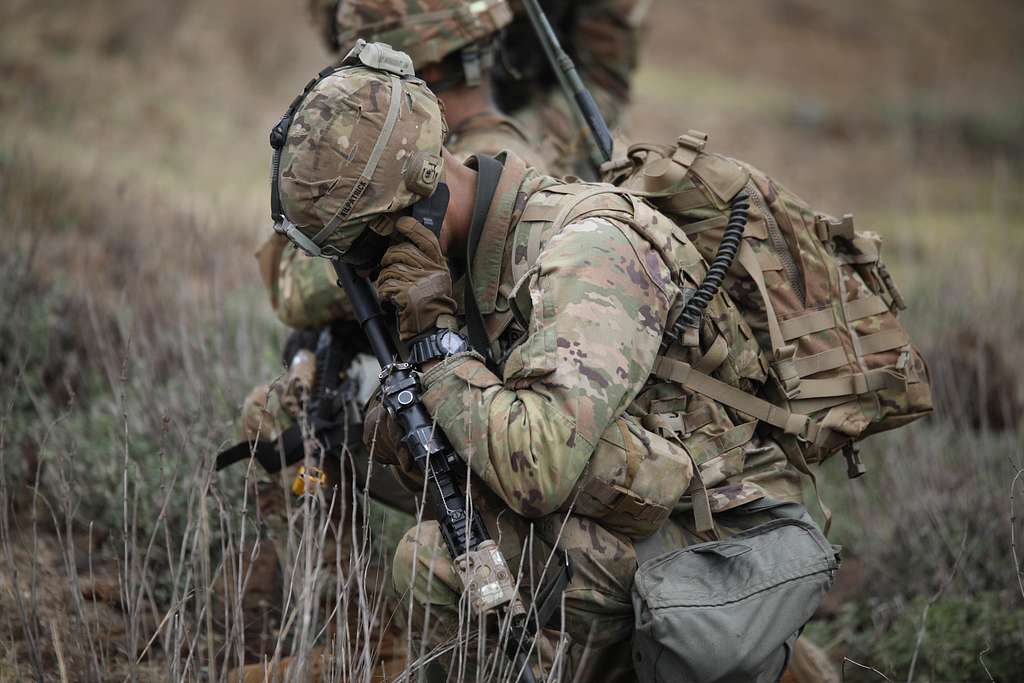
(303, 290)
(812, 288)
(426, 30)
(553, 435)
(603, 38)
(388, 117)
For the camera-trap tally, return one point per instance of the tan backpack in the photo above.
(821, 303)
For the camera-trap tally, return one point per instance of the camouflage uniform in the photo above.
(562, 432)
(575, 444)
(304, 295)
(602, 36)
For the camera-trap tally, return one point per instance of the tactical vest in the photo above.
(670, 441)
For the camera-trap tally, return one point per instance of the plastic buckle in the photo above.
(694, 140)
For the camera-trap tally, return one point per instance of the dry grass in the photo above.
(132, 321)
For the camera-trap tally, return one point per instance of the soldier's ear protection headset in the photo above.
(422, 175)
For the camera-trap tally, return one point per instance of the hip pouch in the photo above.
(730, 610)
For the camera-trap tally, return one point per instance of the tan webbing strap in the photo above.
(621, 500)
(633, 457)
(706, 224)
(533, 246)
(782, 353)
(808, 323)
(688, 147)
(715, 356)
(343, 212)
(883, 341)
(812, 405)
(748, 259)
(851, 385)
(536, 211)
(795, 455)
(578, 199)
(703, 521)
(684, 375)
(820, 362)
(686, 200)
(859, 309)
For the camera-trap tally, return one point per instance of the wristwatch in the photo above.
(436, 345)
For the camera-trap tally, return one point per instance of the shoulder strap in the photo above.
(488, 175)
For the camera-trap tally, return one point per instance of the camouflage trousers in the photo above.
(591, 641)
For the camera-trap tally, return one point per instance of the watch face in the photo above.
(451, 342)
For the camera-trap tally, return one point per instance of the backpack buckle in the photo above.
(688, 147)
(828, 228)
(785, 370)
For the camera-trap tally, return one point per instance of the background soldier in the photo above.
(572, 291)
(603, 38)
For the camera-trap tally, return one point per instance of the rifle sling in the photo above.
(271, 455)
(488, 174)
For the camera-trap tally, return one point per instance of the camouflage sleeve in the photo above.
(600, 300)
(307, 294)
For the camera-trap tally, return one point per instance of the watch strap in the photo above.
(428, 347)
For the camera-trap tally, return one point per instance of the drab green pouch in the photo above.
(730, 611)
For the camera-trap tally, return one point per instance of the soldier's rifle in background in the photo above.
(318, 383)
(579, 97)
(482, 567)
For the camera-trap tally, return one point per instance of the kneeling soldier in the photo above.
(540, 363)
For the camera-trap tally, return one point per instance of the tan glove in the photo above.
(414, 277)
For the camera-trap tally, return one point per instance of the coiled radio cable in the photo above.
(739, 209)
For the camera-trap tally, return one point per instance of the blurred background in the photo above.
(133, 193)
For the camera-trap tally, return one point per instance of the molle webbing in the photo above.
(686, 376)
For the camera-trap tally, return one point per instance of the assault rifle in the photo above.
(485, 574)
(329, 402)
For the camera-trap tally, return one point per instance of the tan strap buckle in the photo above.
(694, 140)
(785, 369)
(828, 228)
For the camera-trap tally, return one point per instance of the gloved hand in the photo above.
(414, 277)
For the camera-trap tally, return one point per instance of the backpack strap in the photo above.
(794, 426)
(782, 352)
(690, 378)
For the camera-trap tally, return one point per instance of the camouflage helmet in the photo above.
(427, 30)
(361, 142)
